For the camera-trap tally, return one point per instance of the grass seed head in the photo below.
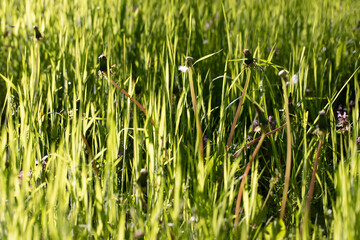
(103, 63)
(189, 61)
(249, 62)
(142, 180)
(322, 125)
(283, 74)
(37, 32)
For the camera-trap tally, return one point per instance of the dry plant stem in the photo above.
(312, 185)
(238, 110)
(257, 139)
(198, 125)
(132, 99)
(248, 166)
(90, 154)
(141, 108)
(288, 153)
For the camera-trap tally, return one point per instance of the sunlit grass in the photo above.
(76, 142)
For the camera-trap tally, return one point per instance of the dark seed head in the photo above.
(103, 63)
(189, 61)
(322, 124)
(37, 32)
(249, 62)
(142, 180)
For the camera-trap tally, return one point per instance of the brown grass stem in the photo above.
(142, 109)
(288, 153)
(238, 202)
(312, 186)
(257, 139)
(232, 131)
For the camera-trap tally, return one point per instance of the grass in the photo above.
(74, 145)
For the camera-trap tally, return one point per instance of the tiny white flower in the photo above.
(295, 78)
(170, 224)
(184, 69)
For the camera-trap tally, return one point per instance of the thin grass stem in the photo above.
(232, 131)
(143, 110)
(312, 186)
(288, 153)
(238, 202)
(257, 139)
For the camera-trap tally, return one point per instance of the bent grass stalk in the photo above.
(142, 109)
(312, 186)
(288, 152)
(257, 139)
(232, 131)
(238, 202)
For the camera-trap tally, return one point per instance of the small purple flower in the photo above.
(21, 175)
(255, 126)
(43, 165)
(342, 117)
(276, 50)
(209, 24)
(272, 121)
(36, 162)
(343, 121)
(352, 103)
(205, 139)
(358, 140)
